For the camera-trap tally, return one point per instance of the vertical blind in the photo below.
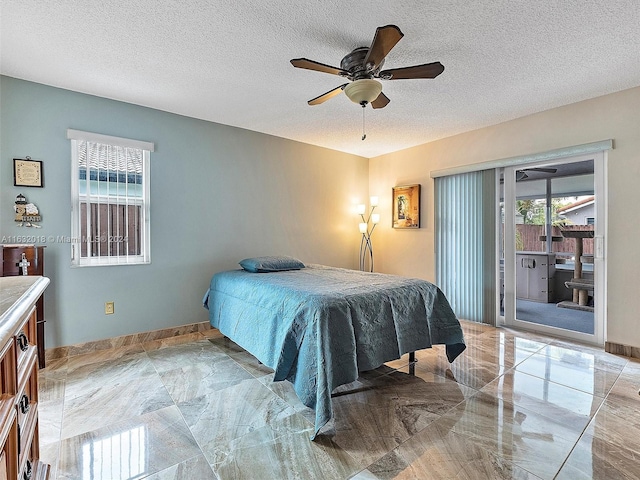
(466, 243)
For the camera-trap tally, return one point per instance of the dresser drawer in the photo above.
(27, 412)
(23, 345)
(32, 468)
(25, 405)
(8, 370)
(26, 339)
(9, 447)
(26, 473)
(3, 467)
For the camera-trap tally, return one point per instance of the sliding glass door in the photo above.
(552, 257)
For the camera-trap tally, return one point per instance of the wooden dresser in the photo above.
(11, 256)
(19, 441)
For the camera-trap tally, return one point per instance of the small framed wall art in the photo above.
(27, 172)
(406, 206)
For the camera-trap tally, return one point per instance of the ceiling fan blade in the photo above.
(380, 102)
(317, 66)
(383, 41)
(427, 70)
(541, 169)
(326, 96)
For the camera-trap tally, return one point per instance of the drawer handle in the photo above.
(23, 341)
(28, 471)
(25, 405)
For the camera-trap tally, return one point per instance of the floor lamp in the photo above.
(367, 226)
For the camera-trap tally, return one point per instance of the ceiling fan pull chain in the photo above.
(364, 135)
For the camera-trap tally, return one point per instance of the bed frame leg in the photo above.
(412, 363)
(226, 339)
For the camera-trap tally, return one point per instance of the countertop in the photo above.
(17, 294)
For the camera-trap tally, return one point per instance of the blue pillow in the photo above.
(278, 263)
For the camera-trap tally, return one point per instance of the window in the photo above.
(110, 200)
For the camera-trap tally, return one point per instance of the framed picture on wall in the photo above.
(406, 206)
(27, 173)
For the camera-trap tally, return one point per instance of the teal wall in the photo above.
(218, 194)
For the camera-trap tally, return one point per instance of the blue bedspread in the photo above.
(319, 326)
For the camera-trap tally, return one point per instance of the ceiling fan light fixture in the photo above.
(363, 91)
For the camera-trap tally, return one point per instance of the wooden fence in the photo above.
(528, 239)
(115, 229)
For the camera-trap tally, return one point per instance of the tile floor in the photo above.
(197, 407)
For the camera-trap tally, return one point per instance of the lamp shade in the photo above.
(360, 209)
(363, 227)
(374, 201)
(363, 91)
(375, 218)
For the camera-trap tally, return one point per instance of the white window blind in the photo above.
(110, 199)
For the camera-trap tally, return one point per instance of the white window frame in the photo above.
(145, 248)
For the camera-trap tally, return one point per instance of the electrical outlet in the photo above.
(109, 308)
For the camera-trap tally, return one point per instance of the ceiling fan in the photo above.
(363, 65)
(522, 173)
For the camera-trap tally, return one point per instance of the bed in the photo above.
(318, 326)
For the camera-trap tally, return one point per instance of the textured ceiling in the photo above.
(227, 61)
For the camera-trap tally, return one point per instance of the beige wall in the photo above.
(615, 116)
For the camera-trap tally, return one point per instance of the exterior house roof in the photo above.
(577, 205)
